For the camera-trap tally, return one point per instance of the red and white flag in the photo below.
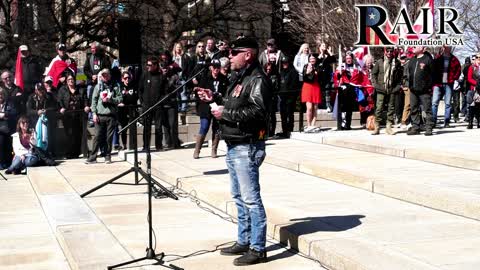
(359, 53)
(19, 71)
(418, 25)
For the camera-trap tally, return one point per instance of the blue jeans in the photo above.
(438, 92)
(205, 125)
(183, 95)
(18, 164)
(243, 162)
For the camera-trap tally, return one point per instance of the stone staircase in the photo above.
(355, 201)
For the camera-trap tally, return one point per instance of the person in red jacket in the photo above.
(472, 95)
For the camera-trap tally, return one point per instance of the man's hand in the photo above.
(217, 112)
(86, 109)
(62, 110)
(121, 105)
(40, 112)
(22, 158)
(94, 77)
(2, 115)
(204, 94)
(96, 119)
(18, 94)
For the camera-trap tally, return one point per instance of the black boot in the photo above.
(470, 117)
(235, 249)
(477, 113)
(252, 257)
(348, 120)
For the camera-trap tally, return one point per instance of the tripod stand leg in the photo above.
(107, 182)
(157, 185)
(3, 176)
(125, 263)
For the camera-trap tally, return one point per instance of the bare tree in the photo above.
(469, 22)
(7, 45)
(164, 22)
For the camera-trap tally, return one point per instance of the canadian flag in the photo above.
(19, 71)
(418, 25)
(359, 53)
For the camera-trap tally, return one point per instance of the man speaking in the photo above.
(243, 115)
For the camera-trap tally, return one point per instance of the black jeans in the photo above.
(170, 127)
(156, 116)
(346, 103)
(425, 100)
(73, 127)
(273, 115)
(456, 103)
(124, 116)
(103, 135)
(399, 104)
(287, 112)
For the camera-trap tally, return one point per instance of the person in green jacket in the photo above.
(105, 99)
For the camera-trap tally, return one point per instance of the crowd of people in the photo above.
(391, 91)
(237, 89)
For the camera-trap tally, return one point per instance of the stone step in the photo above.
(445, 188)
(27, 242)
(457, 147)
(342, 227)
(84, 239)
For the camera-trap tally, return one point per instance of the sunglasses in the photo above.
(235, 52)
(200, 46)
(126, 78)
(150, 65)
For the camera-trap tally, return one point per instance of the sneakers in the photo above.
(252, 257)
(412, 131)
(446, 125)
(428, 132)
(308, 129)
(108, 160)
(91, 161)
(376, 131)
(235, 249)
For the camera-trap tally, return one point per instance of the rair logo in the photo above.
(375, 28)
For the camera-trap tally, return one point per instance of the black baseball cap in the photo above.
(61, 47)
(244, 43)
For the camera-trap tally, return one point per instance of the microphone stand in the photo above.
(151, 255)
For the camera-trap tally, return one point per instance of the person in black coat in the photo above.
(7, 127)
(42, 102)
(151, 89)
(32, 69)
(271, 70)
(127, 110)
(74, 106)
(289, 87)
(216, 82)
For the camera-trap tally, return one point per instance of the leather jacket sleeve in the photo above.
(258, 101)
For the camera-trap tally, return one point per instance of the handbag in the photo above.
(370, 122)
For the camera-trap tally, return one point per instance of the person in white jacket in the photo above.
(301, 59)
(22, 142)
